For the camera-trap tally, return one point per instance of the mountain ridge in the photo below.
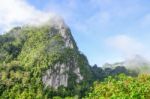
(47, 55)
(44, 61)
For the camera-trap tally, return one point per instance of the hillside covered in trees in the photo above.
(44, 62)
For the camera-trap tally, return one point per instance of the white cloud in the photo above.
(126, 45)
(18, 12)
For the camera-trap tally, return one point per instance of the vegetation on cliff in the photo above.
(44, 62)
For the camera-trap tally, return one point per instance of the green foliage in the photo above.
(27, 52)
(122, 87)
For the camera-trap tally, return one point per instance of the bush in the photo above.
(122, 87)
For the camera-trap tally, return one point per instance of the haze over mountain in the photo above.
(137, 63)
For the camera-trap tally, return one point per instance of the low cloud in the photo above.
(18, 12)
(125, 44)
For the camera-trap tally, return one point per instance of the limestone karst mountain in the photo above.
(43, 61)
(45, 57)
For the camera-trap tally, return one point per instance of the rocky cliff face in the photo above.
(48, 52)
(58, 75)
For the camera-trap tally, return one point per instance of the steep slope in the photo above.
(42, 60)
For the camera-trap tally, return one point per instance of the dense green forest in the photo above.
(28, 54)
(121, 87)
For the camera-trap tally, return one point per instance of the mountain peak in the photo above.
(54, 21)
(48, 52)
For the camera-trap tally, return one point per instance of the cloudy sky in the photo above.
(105, 30)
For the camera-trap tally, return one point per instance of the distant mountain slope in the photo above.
(136, 63)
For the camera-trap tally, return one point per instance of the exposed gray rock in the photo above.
(59, 26)
(58, 75)
(77, 72)
(66, 37)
